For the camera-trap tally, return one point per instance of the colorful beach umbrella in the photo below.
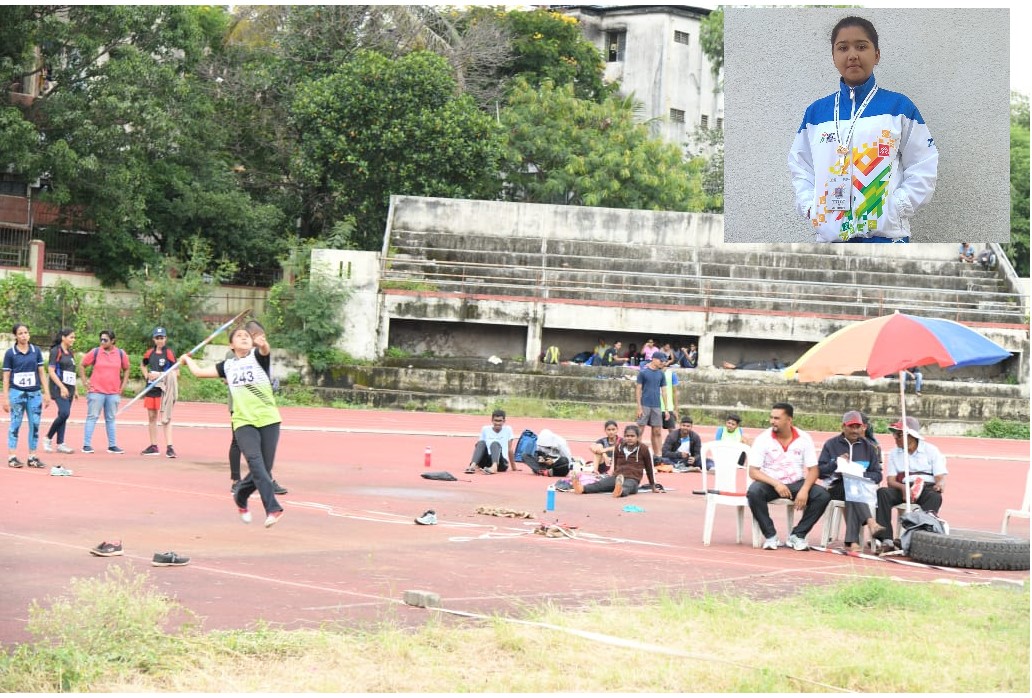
(892, 344)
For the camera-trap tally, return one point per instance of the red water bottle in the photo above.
(426, 457)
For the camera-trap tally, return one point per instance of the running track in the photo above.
(347, 547)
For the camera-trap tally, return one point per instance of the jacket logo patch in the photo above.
(883, 150)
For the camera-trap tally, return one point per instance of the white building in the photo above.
(655, 53)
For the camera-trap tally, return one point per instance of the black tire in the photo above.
(969, 549)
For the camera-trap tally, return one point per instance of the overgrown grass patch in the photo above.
(115, 634)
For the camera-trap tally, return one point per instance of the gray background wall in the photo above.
(953, 63)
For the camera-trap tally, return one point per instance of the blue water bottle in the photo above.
(550, 499)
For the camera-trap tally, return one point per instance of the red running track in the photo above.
(347, 547)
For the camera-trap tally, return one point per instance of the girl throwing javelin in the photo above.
(256, 419)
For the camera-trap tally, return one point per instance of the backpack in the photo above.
(552, 355)
(527, 443)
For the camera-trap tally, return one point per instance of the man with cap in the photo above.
(927, 480)
(647, 394)
(161, 398)
(853, 445)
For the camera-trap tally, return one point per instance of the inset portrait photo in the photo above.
(863, 125)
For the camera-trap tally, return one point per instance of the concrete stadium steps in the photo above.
(476, 384)
(702, 277)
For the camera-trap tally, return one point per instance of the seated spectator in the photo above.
(630, 461)
(633, 356)
(496, 441)
(603, 448)
(600, 351)
(967, 253)
(668, 349)
(987, 258)
(853, 444)
(683, 448)
(687, 357)
(612, 357)
(731, 431)
(647, 351)
(926, 483)
(693, 356)
(551, 456)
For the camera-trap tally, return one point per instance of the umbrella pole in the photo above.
(906, 447)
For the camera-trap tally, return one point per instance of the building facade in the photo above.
(654, 52)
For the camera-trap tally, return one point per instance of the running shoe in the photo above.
(13, 462)
(59, 471)
(48, 446)
(429, 518)
(272, 518)
(107, 549)
(61, 448)
(797, 543)
(245, 515)
(170, 452)
(115, 449)
(278, 488)
(169, 560)
(151, 450)
(88, 449)
(771, 543)
(35, 462)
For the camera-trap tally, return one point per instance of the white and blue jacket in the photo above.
(892, 164)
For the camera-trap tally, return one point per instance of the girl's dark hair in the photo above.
(18, 326)
(632, 429)
(610, 422)
(61, 334)
(853, 21)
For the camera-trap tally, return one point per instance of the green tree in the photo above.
(565, 150)
(125, 137)
(378, 127)
(711, 36)
(1018, 249)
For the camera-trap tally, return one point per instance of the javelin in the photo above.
(177, 364)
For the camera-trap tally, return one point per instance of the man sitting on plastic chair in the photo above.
(785, 467)
(855, 448)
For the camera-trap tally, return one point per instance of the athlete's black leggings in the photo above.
(258, 444)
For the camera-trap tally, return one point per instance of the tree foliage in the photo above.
(1018, 249)
(711, 37)
(378, 127)
(565, 150)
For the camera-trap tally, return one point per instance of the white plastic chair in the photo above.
(726, 479)
(1023, 511)
(833, 518)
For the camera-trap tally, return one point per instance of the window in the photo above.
(704, 121)
(677, 116)
(616, 46)
(720, 124)
(680, 37)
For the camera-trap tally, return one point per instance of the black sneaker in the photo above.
(151, 450)
(35, 462)
(169, 560)
(170, 452)
(107, 549)
(115, 449)
(278, 488)
(13, 462)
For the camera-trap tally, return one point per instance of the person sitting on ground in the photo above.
(496, 440)
(630, 461)
(967, 253)
(785, 467)
(599, 351)
(612, 356)
(987, 258)
(855, 446)
(551, 457)
(604, 447)
(683, 448)
(927, 480)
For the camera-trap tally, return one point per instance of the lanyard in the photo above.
(843, 148)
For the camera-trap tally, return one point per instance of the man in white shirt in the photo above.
(495, 450)
(927, 479)
(785, 465)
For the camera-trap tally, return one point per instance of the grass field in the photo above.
(874, 635)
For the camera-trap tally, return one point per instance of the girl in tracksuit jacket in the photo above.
(863, 162)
